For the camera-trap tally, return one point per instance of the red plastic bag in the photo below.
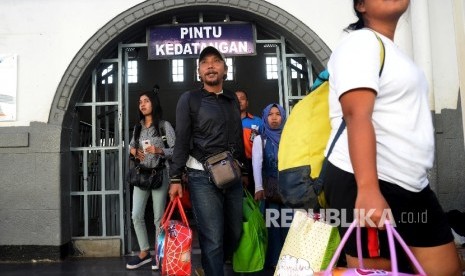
(178, 242)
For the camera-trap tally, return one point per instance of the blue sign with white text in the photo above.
(188, 40)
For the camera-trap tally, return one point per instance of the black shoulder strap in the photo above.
(194, 100)
(234, 96)
(136, 135)
(162, 130)
(137, 130)
(195, 97)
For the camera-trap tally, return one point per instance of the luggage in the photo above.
(174, 254)
(303, 142)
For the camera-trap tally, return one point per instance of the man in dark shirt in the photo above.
(208, 121)
(250, 126)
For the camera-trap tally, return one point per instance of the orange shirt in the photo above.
(250, 127)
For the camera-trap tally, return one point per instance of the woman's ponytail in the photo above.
(360, 23)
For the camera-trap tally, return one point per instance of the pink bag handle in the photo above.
(392, 233)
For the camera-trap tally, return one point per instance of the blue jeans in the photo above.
(139, 203)
(276, 236)
(218, 214)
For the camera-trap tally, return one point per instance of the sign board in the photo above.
(187, 40)
(8, 86)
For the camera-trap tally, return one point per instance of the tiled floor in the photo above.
(103, 266)
(93, 266)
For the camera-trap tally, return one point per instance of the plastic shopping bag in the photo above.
(391, 232)
(309, 246)
(250, 254)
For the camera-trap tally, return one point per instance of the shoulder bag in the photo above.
(223, 169)
(146, 178)
(141, 176)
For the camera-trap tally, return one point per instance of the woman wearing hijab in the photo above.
(265, 168)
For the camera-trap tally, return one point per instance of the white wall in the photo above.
(326, 18)
(47, 34)
(444, 55)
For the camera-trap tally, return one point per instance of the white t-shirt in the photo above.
(401, 116)
(257, 162)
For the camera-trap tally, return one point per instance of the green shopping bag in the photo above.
(250, 254)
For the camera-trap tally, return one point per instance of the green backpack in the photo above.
(301, 160)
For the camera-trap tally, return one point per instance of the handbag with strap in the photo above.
(141, 176)
(308, 247)
(223, 169)
(146, 178)
(174, 253)
(251, 251)
(391, 233)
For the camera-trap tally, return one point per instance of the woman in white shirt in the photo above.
(379, 164)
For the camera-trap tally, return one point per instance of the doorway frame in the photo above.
(89, 56)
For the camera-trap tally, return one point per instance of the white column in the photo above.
(459, 25)
(421, 42)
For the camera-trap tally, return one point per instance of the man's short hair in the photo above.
(243, 91)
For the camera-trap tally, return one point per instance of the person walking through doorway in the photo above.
(379, 165)
(265, 166)
(213, 126)
(150, 155)
(250, 127)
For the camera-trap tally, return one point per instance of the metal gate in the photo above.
(295, 73)
(97, 188)
(99, 201)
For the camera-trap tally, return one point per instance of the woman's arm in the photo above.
(357, 108)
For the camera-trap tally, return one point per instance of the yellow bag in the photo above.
(302, 145)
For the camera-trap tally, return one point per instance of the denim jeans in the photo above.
(139, 202)
(218, 215)
(276, 236)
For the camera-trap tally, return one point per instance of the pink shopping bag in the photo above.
(392, 233)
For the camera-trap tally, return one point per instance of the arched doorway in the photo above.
(93, 99)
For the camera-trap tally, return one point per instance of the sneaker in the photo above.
(199, 272)
(154, 264)
(138, 262)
